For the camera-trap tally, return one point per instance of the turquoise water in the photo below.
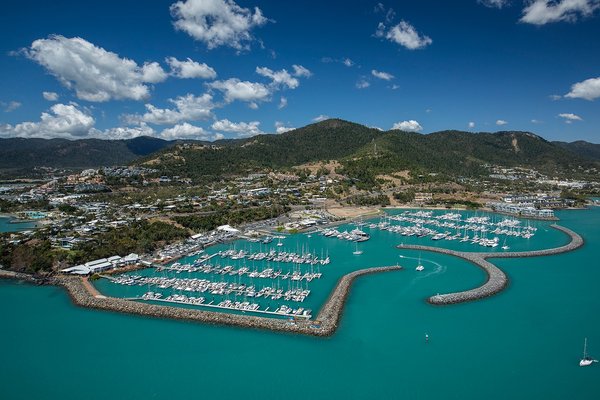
(6, 226)
(523, 343)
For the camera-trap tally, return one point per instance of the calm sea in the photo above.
(521, 344)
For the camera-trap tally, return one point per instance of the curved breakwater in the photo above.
(325, 324)
(496, 278)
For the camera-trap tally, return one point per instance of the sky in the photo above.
(211, 69)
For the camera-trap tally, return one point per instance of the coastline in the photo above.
(325, 324)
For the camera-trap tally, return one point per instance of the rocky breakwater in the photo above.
(326, 324)
(496, 279)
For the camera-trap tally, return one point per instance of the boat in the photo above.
(420, 266)
(586, 360)
(357, 252)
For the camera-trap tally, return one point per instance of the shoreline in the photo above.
(496, 280)
(325, 324)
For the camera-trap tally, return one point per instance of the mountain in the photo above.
(583, 149)
(20, 154)
(365, 152)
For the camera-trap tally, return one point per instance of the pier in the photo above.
(326, 323)
(496, 279)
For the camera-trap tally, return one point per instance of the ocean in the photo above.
(523, 343)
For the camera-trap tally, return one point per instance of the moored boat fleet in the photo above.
(244, 306)
(480, 230)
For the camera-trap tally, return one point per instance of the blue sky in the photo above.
(115, 69)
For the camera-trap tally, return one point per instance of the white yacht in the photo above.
(586, 360)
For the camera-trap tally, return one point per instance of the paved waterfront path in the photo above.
(325, 324)
(496, 279)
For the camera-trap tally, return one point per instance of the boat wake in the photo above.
(439, 268)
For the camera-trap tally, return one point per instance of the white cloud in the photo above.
(555, 97)
(386, 76)
(217, 22)
(11, 105)
(410, 126)
(187, 108)
(347, 62)
(94, 73)
(494, 3)
(471, 125)
(362, 83)
(234, 89)
(279, 78)
(50, 96)
(63, 120)
(281, 128)
(122, 132)
(570, 117)
(394, 87)
(189, 69)
(588, 89)
(540, 12)
(501, 122)
(536, 121)
(301, 71)
(403, 34)
(185, 131)
(282, 102)
(241, 129)
(320, 118)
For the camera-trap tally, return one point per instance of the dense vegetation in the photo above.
(37, 255)
(365, 153)
(202, 223)
(21, 155)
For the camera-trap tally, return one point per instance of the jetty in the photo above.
(496, 279)
(325, 324)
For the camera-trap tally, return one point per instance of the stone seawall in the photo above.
(325, 324)
(496, 279)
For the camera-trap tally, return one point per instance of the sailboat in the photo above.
(279, 242)
(420, 266)
(356, 252)
(504, 246)
(586, 360)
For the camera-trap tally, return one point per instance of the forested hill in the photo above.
(24, 154)
(362, 151)
(367, 150)
(582, 148)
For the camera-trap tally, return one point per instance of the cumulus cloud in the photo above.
(410, 126)
(187, 108)
(189, 69)
(50, 96)
(10, 106)
(403, 34)
(347, 62)
(386, 76)
(123, 132)
(217, 22)
(363, 83)
(281, 128)
(63, 120)
(241, 129)
(471, 125)
(320, 118)
(279, 78)
(494, 3)
(94, 73)
(301, 71)
(501, 122)
(541, 12)
(282, 102)
(588, 89)
(570, 117)
(186, 131)
(234, 89)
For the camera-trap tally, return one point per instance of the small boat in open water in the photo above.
(586, 360)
